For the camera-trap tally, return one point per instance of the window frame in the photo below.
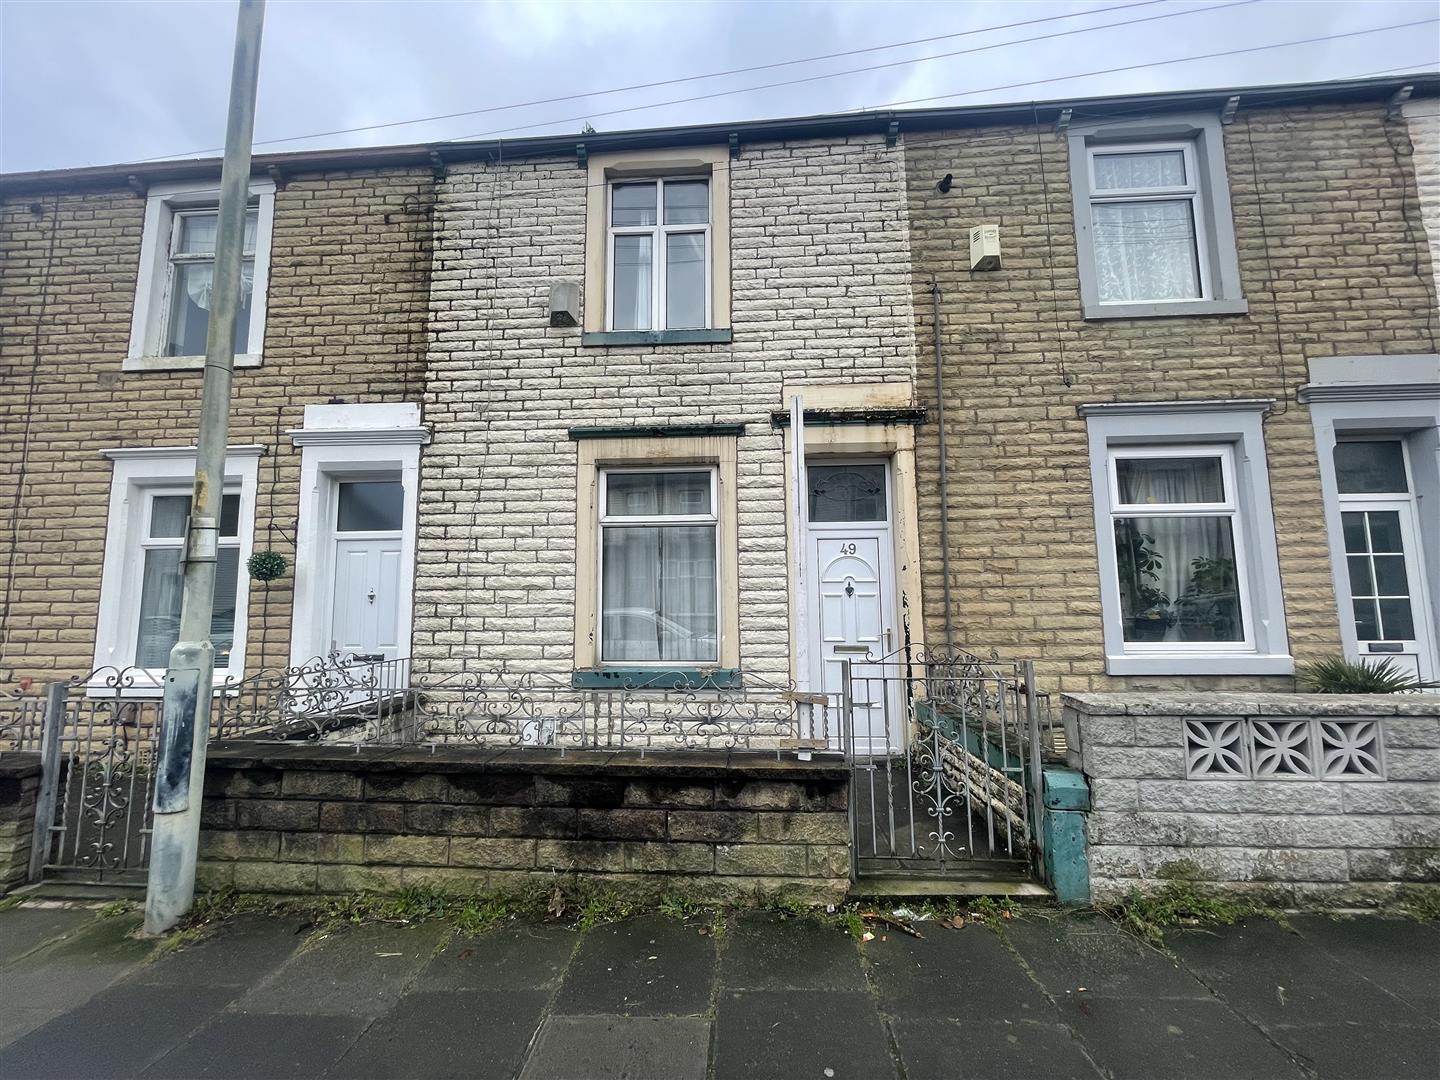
(1202, 137)
(1189, 193)
(165, 206)
(660, 255)
(139, 474)
(1228, 507)
(605, 521)
(1239, 425)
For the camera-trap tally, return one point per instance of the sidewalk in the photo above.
(1046, 995)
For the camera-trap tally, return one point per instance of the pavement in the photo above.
(1044, 995)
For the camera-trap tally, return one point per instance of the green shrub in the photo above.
(1337, 675)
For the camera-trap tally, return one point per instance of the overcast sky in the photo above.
(85, 82)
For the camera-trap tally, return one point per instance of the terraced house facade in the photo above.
(1143, 390)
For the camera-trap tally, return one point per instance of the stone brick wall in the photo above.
(820, 293)
(348, 298)
(1333, 261)
(1295, 839)
(19, 790)
(318, 819)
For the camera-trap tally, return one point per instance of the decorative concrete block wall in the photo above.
(1305, 796)
(19, 789)
(317, 819)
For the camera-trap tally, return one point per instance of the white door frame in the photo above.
(884, 532)
(345, 442)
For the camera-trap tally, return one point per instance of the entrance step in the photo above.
(929, 885)
(81, 890)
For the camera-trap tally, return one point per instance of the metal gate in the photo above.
(945, 752)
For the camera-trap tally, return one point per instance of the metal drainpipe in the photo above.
(944, 470)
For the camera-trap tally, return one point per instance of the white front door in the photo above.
(852, 600)
(1389, 607)
(365, 612)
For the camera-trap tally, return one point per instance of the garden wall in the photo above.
(19, 789)
(317, 819)
(1304, 797)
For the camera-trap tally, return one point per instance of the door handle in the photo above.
(371, 596)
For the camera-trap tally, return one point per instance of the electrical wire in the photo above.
(691, 78)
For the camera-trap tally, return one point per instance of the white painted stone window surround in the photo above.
(635, 172)
(1384, 397)
(1154, 231)
(167, 208)
(140, 475)
(1231, 431)
(1284, 748)
(715, 454)
(346, 442)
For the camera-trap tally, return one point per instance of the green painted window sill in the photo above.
(617, 678)
(656, 337)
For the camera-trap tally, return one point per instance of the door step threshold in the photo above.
(915, 885)
(80, 890)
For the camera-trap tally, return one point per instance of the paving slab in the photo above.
(357, 971)
(115, 1034)
(250, 1046)
(953, 974)
(1071, 955)
(1276, 976)
(1176, 1038)
(1398, 955)
(990, 1050)
(650, 966)
(619, 1048)
(466, 1033)
(768, 952)
(1361, 1051)
(238, 952)
(24, 929)
(64, 974)
(781, 1034)
(527, 957)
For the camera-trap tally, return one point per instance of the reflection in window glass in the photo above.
(371, 506)
(1363, 468)
(669, 493)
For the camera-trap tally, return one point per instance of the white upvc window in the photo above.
(142, 579)
(658, 254)
(1147, 223)
(659, 584)
(177, 266)
(1180, 568)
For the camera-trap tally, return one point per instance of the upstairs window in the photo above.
(1144, 212)
(174, 293)
(1154, 233)
(659, 254)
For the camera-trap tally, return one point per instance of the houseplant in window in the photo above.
(1209, 606)
(1146, 606)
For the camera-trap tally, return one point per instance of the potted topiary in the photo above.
(1148, 615)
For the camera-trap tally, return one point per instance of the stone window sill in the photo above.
(184, 363)
(1200, 664)
(1095, 312)
(656, 337)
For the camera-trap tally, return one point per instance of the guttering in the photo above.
(419, 155)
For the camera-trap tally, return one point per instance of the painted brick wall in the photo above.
(1333, 261)
(820, 293)
(1337, 841)
(347, 305)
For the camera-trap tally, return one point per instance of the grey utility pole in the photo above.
(185, 716)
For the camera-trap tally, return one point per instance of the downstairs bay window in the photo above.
(1189, 573)
(142, 581)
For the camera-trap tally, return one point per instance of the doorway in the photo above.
(369, 518)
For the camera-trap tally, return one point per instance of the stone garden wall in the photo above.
(1308, 797)
(19, 788)
(317, 819)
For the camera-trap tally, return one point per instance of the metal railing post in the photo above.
(52, 725)
(1032, 719)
